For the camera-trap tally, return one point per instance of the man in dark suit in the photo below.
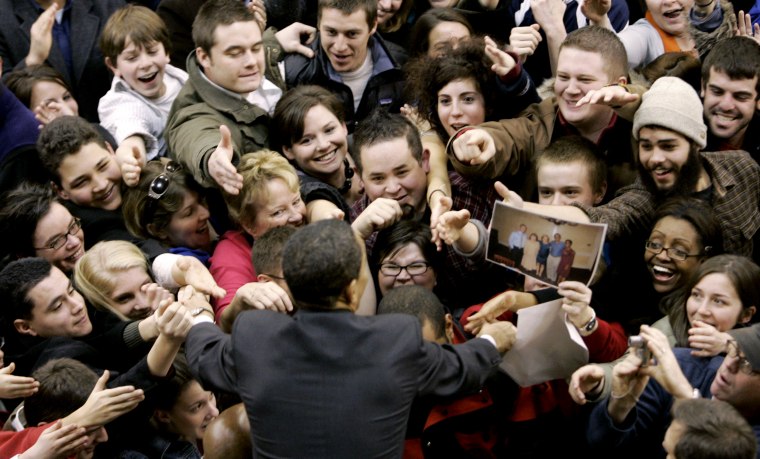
(326, 382)
(63, 34)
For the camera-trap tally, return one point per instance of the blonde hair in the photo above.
(258, 169)
(94, 273)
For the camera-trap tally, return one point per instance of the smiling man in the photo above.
(226, 86)
(589, 59)
(731, 95)
(351, 60)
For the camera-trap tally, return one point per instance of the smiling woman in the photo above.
(309, 128)
(34, 223)
(114, 275)
(168, 205)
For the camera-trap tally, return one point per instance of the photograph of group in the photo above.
(545, 248)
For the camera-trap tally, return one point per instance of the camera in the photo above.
(639, 345)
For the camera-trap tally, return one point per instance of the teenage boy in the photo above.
(731, 95)
(136, 46)
(351, 60)
(590, 58)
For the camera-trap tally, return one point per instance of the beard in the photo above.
(686, 182)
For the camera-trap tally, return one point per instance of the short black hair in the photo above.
(416, 301)
(267, 258)
(382, 126)
(65, 136)
(319, 261)
(22, 208)
(16, 280)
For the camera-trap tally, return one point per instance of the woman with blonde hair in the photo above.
(115, 276)
(270, 198)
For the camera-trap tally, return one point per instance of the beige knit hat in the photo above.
(673, 104)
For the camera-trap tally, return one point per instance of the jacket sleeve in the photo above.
(446, 370)
(209, 355)
(516, 141)
(630, 212)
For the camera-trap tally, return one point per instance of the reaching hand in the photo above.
(503, 63)
(474, 147)
(220, 166)
(524, 40)
(12, 386)
(41, 36)
(439, 205)
(104, 405)
(194, 273)
(451, 224)
(490, 310)
(706, 340)
(508, 196)
(265, 295)
(173, 320)
(57, 441)
(613, 96)
(291, 39)
(584, 380)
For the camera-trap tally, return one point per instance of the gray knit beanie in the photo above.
(748, 339)
(673, 104)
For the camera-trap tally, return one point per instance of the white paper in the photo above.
(547, 347)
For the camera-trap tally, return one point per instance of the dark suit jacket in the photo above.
(331, 383)
(91, 78)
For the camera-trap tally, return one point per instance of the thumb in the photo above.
(535, 27)
(501, 189)
(8, 370)
(101, 384)
(226, 141)
(305, 50)
(136, 153)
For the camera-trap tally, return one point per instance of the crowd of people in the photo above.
(235, 228)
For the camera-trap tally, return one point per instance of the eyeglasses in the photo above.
(413, 269)
(734, 353)
(59, 241)
(674, 253)
(160, 184)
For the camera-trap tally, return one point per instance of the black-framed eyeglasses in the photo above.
(60, 240)
(160, 184)
(413, 269)
(735, 353)
(673, 252)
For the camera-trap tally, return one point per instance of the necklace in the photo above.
(349, 173)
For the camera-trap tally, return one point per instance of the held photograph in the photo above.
(548, 249)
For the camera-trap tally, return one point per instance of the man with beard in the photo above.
(670, 134)
(731, 96)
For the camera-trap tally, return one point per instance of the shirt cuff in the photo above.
(202, 318)
(490, 339)
(162, 270)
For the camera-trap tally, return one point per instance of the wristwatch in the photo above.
(589, 327)
(198, 311)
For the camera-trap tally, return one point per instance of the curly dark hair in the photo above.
(426, 76)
